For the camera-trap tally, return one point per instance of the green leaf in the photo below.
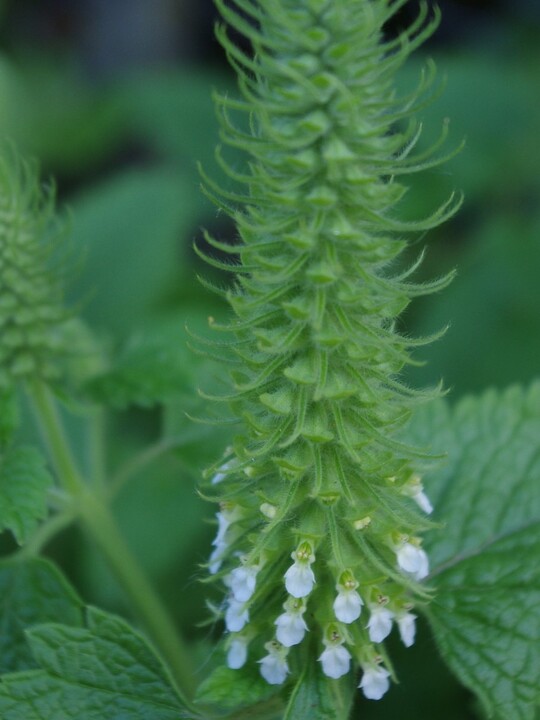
(154, 366)
(230, 689)
(174, 113)
(9, 417)
(104, 670)
(486, 558)
(31, 592)
(318, 698)
(130, 230)
(24, 481)
(499, 341)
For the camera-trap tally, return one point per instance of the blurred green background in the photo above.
(113, 98)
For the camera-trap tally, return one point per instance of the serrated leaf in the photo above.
(230, 689)
(317, 697)
(24, 481)
(486, 559)
(103, 670)
(31, 592)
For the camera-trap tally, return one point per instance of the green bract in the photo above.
(316, 473)
(31, 313)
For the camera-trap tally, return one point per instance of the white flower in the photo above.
(222, 471)
(380, 623)
(413, 561)
(237, 655)
(225, 518)
(415, 490)
(423, 502)
(236, 615)
(274, 668)
(347, 606)
(216, 558)
(242, 582)
(335, 661)
(374, 682)
(291, 628)
(299, 580)
(407, 628)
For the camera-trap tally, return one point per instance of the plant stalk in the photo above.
(100, 523)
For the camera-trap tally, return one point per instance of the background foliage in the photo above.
(114, 100)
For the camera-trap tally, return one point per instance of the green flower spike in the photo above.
(31, 277)
(317, 475)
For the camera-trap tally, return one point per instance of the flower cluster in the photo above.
(346, 637)
(318, 474)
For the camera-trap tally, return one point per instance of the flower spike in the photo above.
(318, 471)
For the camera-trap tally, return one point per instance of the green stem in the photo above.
(99, 521)
(55, 438)
(96, 441)
(146, 604)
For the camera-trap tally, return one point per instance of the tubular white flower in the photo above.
(290, 628)
(407, 628)
(236, 615)
(336, 661)
(380, 623)
(242, 582)
(347, 606)
(413, 561)
(225, 518)
(299, 579)
(423, 502)
(221, 474)
(216, 558)
(237, 654)
(274, 668)
(374, 683)
(415, 490)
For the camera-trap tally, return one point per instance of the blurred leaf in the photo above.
(9, 416)
(486, 97)
(271, 709)
(105, 670)
(230, 689)
(492, 305)
(24, 482)
(31, 593)
(174, 111)
(318, 698)
(53, 112)
(155, 366)
(486, 558)
(131, 230)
